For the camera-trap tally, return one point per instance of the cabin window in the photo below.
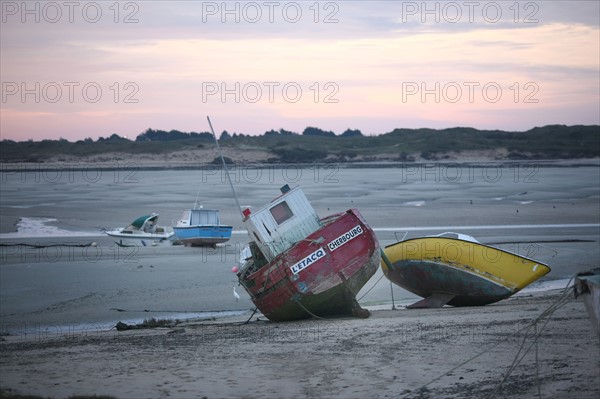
(281, 212)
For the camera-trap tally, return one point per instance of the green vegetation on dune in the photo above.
(316, 145)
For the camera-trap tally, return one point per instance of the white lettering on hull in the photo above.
(307, 261)
(320, 253)
(345, 238)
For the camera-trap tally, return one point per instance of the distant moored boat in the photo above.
(143, 228)
(201, 227)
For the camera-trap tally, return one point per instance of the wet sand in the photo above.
(57, 306)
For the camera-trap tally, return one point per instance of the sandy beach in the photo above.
(489, 351)
(58, 305)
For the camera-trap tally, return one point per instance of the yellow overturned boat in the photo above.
(457, 270)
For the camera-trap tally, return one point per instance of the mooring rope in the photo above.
(561, 301)
(308, 311)
(376, 282)
(252, 315)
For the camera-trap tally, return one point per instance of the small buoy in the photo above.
(234, 269)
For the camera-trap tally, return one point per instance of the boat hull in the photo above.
(461, 273)
(320, 275)
(138, 235)
(203, 235)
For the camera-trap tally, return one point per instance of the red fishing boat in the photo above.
(302, 266)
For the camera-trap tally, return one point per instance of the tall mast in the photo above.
(225, 168)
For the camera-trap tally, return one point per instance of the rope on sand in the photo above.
(561, 301)
(252, 315)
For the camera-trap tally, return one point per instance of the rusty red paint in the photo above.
(327, 281)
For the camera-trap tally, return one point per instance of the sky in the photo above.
(89, 69)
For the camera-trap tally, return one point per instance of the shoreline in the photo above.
(448, 352)
(160, 164)
(23, 331)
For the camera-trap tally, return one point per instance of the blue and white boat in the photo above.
(201, 227)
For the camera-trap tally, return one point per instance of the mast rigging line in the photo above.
(225, 168)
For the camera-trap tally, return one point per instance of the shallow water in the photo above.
(550, 212)
(89, 200)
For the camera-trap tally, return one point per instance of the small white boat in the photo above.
(143, 228)
(201, 227)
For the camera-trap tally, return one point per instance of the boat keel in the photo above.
(435, 300)
(358, 311)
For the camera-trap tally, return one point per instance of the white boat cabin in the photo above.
(199, 217)
(286, 220)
